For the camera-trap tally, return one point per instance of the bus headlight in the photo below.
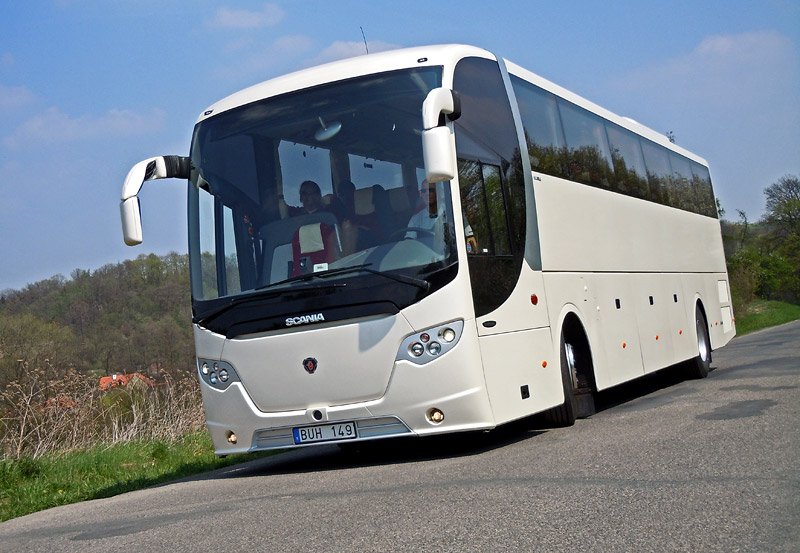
(217, 374)
(439, 339)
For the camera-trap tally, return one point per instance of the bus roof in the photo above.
(446, 55)
(420, 56)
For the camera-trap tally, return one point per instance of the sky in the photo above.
(89, 87)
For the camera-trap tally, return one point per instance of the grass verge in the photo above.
(29, 485)
(763, 313)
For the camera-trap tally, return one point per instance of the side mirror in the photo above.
(438, 142)
(161, 167)
(131, 215)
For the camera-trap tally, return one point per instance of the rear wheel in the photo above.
(699, 366)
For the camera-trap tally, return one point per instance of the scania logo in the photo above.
(305, 319)
(310, 365)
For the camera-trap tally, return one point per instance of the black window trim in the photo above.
(698, 207)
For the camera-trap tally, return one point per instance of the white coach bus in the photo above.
(434, 240)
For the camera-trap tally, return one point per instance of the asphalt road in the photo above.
(668, 465)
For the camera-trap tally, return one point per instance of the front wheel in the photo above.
(700, 365)
(576, 371)
(565, 414)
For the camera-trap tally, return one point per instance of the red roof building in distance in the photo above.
(123, 379)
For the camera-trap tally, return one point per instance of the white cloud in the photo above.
(229, 18)
(724, 68)
(13, 97)
(53, 126)
(260, 64)
(733, 99)
(347, 49)
(240, 44)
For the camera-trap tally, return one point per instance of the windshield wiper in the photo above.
(310, 276)
(419, 283)
(208, 315)
(247, 298)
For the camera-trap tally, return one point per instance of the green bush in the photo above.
(764, 274)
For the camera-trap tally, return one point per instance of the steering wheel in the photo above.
(404, 231)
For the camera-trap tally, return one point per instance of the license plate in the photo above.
(324, 432)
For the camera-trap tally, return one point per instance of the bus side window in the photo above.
(589, 155)
(701, 181)
(543, 131)
(656, 159)
(484, 209)
(683, 190)
(629, 168)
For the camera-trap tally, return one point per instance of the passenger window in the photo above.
(629, 169)
(589, 155)
(683, 194)
(542, 126)
(484, 209)
(656, 160)
(701, 180)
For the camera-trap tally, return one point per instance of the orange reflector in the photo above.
(624, 345)
(534, 299)
(544, 364)
(680, 332)
(656, 336)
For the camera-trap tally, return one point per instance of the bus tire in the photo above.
(564, 414)
(700, 365)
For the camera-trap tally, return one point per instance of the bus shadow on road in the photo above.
(422, 449)
(383, 452)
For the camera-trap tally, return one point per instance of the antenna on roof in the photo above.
(365, 39)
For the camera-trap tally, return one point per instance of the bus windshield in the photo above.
(313, 182)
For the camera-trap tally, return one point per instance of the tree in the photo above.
(783, 205)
